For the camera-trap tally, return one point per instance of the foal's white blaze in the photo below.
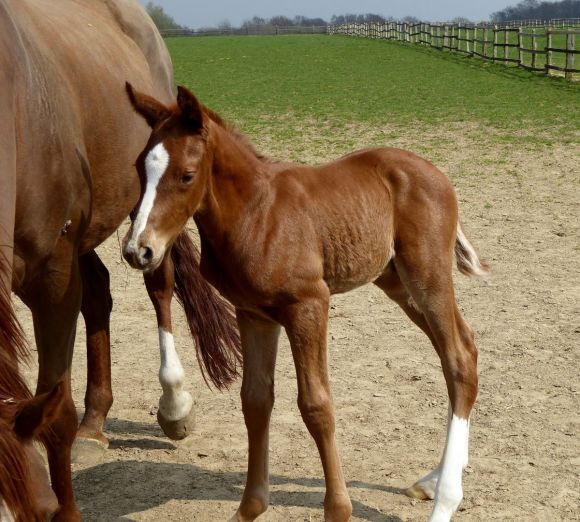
(448, 493)
(175, 403)
(156, 164)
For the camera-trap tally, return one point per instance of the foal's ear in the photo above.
(152, 110)
(190, 108)
(35, 413)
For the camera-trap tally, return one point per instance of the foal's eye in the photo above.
(186, 179)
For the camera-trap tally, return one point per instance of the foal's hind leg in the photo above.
(175, 414)
(428, 299)
(96, 309)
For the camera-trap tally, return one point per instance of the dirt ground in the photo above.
(521, 207)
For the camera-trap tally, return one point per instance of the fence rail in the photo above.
(532, 47)
(555, 22)
(249, 30)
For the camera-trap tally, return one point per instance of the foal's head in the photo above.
(174, 170)
(25, 492)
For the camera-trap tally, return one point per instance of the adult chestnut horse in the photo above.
(25, 493)
(68, 139)
(279, 239)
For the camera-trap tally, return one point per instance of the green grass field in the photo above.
(340, 80)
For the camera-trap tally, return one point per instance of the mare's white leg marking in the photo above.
(448, 493)
(156, 164)
(175, 403)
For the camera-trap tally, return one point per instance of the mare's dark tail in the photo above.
(211, 319)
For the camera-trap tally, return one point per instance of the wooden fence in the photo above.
(254, 30)
(547, 49)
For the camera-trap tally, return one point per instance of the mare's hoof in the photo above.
(177, 429)
(69, 515)
(88, 451)
(91, 435)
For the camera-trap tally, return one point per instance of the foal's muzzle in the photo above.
(141, 257)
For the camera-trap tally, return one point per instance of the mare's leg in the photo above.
(96, 309)
(175, 414)
(425, 292)
(259, 344)
(55, 300)
(306, 324)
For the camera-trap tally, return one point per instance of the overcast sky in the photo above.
(210, 13)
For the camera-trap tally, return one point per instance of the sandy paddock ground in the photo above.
(521, 207)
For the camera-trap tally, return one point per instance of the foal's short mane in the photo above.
(15, 490)
(235, 133)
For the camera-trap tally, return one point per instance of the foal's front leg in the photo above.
(306, 324)
(260, 345)
(175, 414)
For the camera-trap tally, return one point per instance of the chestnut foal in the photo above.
(279, 239)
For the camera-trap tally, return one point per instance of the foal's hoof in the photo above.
(177, 429)
(420, 491)
(88, 451)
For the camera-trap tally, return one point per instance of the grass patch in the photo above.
(342, 79)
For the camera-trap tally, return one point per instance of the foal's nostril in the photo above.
(146, 253)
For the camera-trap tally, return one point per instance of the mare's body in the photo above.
(68, 140)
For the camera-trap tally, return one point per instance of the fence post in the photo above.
(521, 47)
(569, 55)
(506, 49)
(495, 32)
(534, 49)
(485, 35)
(548, 51)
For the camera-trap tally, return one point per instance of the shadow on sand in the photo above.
(111, 491)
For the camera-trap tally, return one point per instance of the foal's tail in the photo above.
(211, 319)
(468, 262)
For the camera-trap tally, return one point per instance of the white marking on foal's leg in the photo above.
(425, 488)
(175, 403)
(156, 164)
(449, 492)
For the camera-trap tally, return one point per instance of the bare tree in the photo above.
(532, 9)
(162, 20)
